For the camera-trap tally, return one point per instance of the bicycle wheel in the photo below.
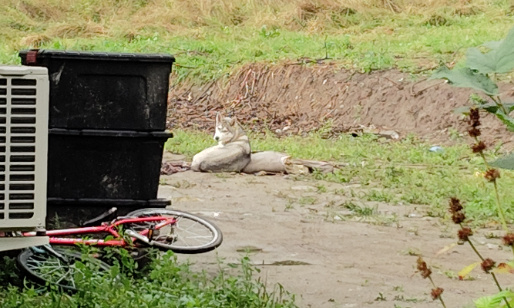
(190, 234)
(43, 267)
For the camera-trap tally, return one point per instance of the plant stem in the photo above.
(500, 209)
(492, 274)
(440, 297)
(500, 288)
(497, 195)
(476, 251)
(483, 157)
(498, 102)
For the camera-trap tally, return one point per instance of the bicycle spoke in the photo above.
(54, 271)
(187, 233)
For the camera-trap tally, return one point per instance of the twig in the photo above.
(399, 86)
(424, 89)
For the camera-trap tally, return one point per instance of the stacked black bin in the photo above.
(107, 123)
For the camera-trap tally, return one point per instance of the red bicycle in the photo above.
(164, 229)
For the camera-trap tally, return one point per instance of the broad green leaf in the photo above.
(488, 301)
(489, 107)
(484, 63)
(506, 119)
(505, 54)
(493, 300)
(465, 271)
(506, 162)
(493, 107)
(499, 60)
(466, 78)
(492, 44)
(477, 99)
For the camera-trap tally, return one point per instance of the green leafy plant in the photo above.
(480, 74)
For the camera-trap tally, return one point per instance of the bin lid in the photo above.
(98, 56)
(16, 70)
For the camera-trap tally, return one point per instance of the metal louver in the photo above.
(24, 93)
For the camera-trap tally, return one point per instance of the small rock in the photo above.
(492, 246)
(302, 187)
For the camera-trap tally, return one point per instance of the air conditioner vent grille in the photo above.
(23, 148)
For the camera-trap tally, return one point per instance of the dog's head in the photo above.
(227, 129)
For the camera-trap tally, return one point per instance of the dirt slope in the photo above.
(298, 98)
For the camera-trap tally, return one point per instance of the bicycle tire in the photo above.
(45, 268)
(186, 240)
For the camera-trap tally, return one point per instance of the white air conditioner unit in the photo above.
(24, 94)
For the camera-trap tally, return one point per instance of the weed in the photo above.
(221, 175)
(398, 288)
(307, 200)
(183, 184)
(451, 274)
(402, 298)
(378, 195)
(281, 194)
(166, 283)
(412, 252)
(358, 210)
(289, 205)
(480, 74)
(380, 297)
(340, 192)
(320, 188)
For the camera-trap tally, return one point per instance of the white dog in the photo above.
(232, 152)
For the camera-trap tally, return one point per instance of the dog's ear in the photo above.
(218, 117)
(232, 122)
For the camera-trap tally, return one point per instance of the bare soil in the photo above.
(294, 99)
(301, 236)
(322, 252)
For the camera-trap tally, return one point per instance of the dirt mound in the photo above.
(297, 98)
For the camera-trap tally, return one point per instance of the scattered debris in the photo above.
(436, 149)
(170, 167)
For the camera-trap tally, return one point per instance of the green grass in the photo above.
(368, 38)
(403, 172)
(165, 283)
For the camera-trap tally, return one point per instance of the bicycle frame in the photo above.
(111, 228)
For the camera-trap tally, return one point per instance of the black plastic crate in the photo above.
(94, 90)
(103, 165)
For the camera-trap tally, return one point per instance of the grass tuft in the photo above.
(164, 283)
